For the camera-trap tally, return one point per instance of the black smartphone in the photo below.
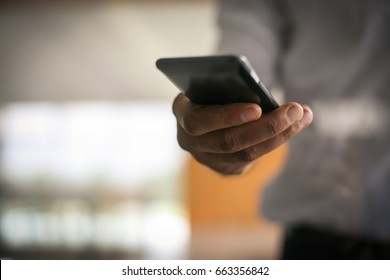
(220, 79)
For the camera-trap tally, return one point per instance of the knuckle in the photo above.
(226, 117)
(250, 154)
(229, 171)
(229, 143)
(182, 144)
(273, 127)
(185, 141)
(287, 134)
(190, 124)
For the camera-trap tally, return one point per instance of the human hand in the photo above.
(229, 138)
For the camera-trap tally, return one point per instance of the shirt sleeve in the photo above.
(252, 28)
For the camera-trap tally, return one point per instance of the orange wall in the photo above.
(216, 200)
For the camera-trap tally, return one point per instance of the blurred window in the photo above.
(92, 175)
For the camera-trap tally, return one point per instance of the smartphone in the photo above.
(220, 79)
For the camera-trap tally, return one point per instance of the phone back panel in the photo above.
(214, 80)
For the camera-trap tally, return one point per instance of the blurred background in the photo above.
(89, 163)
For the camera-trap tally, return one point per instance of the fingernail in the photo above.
(249, 114)
(294, 114)
(306, 119)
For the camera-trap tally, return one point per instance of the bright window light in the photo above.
(84, 144)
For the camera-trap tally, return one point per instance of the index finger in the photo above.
(200, 119)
